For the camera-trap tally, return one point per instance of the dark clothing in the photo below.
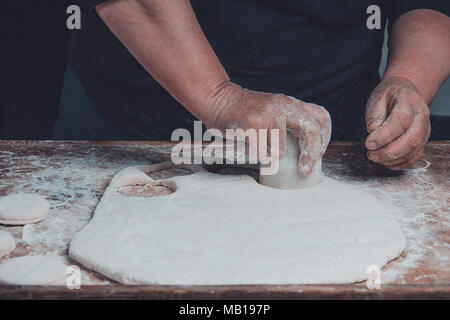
(319, 51)
(79, 119)
(33, 58)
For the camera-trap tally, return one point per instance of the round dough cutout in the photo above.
(36, 270)
(22, 208)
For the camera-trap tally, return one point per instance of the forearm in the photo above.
(419, 50)
(165, 37)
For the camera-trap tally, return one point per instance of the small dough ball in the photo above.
(22, 208)
(36, 270)
(7, 243)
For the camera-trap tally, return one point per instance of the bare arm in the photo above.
(419, 50)
(397, 115)
(166, 39)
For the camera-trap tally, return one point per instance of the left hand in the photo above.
(398, 123)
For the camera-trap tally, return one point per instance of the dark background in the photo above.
(34, 57)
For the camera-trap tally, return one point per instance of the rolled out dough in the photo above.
(33, 270)
(7, 243)
(22, 208)
(224, 230)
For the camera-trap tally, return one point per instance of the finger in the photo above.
(308, 133)
(376, 111)
(396, 124)
(324, 121)
(405, 158)
(406, 164)
(414, 138)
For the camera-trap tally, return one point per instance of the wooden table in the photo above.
(73, 176)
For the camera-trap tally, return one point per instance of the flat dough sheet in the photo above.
(226, 230)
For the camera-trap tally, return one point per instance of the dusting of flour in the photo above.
(73, 179)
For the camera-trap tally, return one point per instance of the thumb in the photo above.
(376, 112)
(309, 142)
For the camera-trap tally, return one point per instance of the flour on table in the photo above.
(33, 270)
(7, 243)
(225, 230)
(22, 208)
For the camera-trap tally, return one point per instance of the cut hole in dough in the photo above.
(145, 190)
